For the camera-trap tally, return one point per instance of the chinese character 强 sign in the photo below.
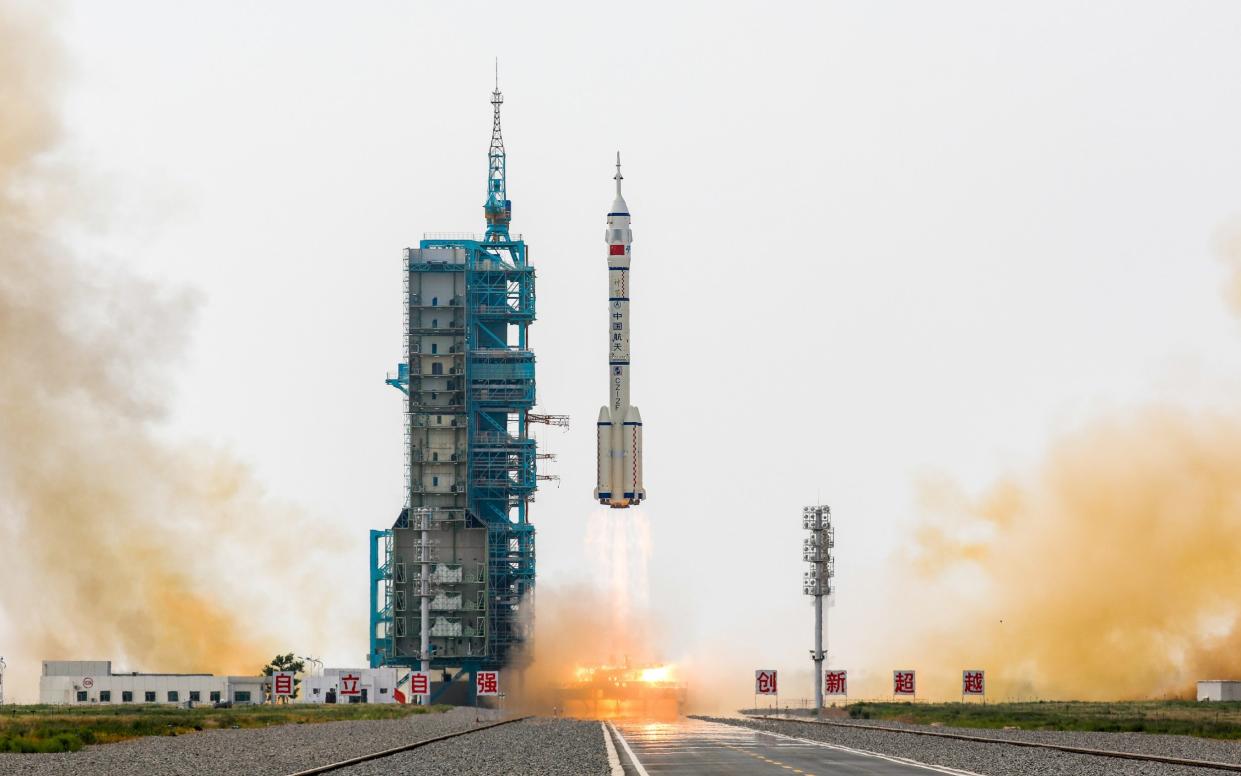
(764, 682)
(488, 683)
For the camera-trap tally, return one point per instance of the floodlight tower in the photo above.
(816, 549)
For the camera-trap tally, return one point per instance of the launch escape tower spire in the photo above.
(499, 210)
(463, 544)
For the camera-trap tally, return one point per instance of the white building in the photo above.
(92, 681)
(1219, 690)
(350, 685)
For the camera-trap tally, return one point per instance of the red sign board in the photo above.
(765, 682)
(282, 683)
(973, 682)
(903, 683)
(836, 683)
(420, 683)
(349, 684)
(488, 683)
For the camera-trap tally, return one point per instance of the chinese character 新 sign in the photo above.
(764, 682)
(836, 683)
(349, 685)
(973, 683)
(903, 683)
(487, 683)
(282, 684)
(420, 683)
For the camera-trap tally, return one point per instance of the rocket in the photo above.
(619, 430)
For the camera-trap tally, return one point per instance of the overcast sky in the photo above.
(874, 242)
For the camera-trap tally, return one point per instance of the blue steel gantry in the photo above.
(469, 381)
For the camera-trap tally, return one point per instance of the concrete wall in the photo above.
(1219, 690)
(379, 684)
(82, 682)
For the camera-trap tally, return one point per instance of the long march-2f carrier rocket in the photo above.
(619, 430)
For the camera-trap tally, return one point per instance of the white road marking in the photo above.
(889, 758)
(613, 760)
(633, 758)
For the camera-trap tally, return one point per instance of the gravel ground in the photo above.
(1217, 750)
(533, 747)
(272, 751)
(989, 759)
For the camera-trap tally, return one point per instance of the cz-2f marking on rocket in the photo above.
(619, 430)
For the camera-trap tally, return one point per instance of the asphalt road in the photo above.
(696, 747)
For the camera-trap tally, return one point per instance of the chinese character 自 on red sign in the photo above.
(420, 683)
(282, 683)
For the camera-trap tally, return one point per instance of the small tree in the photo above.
(285, 663)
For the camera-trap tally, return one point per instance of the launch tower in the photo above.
(450, 578)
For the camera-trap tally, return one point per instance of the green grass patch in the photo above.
(1190, 718)
(69, 728)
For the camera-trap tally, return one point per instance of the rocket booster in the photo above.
(619, 430)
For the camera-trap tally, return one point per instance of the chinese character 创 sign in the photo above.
(903, 683)
(836, 683)
(973, 682)
(420, 683)
(282, 684)
(349, 685)
(765, 682)
(488, 683)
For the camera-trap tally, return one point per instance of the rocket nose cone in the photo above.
(633, 416)
(604, 415)
(619, 206)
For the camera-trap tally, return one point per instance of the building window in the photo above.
(437, 368)
(383, 690)
(435, 456)
(242, 696)
(174, 696)
(81, 696)
(435, 300)
(434, 348)
(195, 696)
(214, 696)
(150, 696)
(105, 696)
(127, 696)
(435, 481)
(439, 420)
(435, 323)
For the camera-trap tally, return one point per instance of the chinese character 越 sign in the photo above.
(973, 683)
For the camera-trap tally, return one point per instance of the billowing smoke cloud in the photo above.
(1109, 571)
(113, 543)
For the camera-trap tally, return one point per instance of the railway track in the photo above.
(1154, 758)
(403, 748)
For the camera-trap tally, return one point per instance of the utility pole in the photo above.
(817, 581)
(1, 680)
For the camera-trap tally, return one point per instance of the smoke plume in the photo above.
(1109, 571)
(113, 543)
